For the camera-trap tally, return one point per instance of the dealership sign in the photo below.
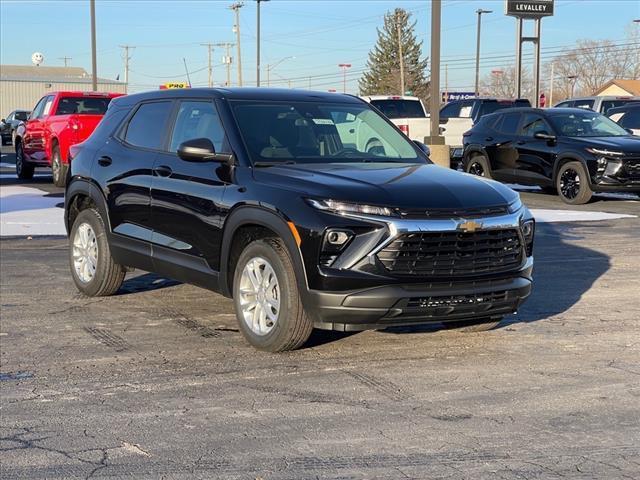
(451, 96)
(172, 85)
(528, 8)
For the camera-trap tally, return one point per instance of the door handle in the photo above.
(163, 171)
(521, 142)
(104, 161)
(488, 139)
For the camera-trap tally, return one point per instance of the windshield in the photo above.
(400, 108)
(82, 106)
(585, 124)
(314, 132)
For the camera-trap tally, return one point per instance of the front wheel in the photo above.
(24, 170)
(478, 165)
(572, 184)
(267, 301)
(94, 271)
(57, 168)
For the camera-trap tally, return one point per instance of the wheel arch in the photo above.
(263, 223)
(81, 194)
(566, 158)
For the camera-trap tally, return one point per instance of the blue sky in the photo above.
(320, 34)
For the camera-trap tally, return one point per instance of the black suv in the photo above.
(571, 151)
(309, 209)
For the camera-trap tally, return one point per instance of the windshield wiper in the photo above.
(272, 164)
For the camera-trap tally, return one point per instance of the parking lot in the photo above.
(157, 382)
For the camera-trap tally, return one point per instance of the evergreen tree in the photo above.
(383, 67)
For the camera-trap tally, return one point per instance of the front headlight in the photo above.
(335, 206)
(528, 231)
(516, 205)
(603, 152)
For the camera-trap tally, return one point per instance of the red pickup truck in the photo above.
(58, 121)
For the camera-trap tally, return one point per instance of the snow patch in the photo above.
(551, 216)
(29, 211)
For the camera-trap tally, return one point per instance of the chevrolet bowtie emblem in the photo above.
(469, 226)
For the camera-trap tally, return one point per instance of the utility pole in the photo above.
(94, 64)
(400, 56)
(258, 41)
(479, 12)
(446, 83)
(126, 62)
(227, 60)
(551, 84)
(65, 60)
(236, 8)
(344, 67)
(210, 65)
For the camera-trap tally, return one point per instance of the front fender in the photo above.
(264, 217)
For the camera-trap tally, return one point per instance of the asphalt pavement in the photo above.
(157, 382)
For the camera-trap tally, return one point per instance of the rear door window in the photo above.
(509, 123)
(609, 104)
(564, 105)
(147, 127)
(585, 103)
(451, 110)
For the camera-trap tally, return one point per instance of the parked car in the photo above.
(58, 121)
(407, 113)
(573, 151)
(458, 116)
(597, 104)
(8, 125)
(627, 117)
(271, 197)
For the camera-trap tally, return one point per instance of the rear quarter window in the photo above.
(508, 123)
(400, 108)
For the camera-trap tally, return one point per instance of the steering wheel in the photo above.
(346, 151)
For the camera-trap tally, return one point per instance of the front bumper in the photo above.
(416, 303)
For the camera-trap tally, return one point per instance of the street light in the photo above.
(479, 12)
(271, 67)
(258, 41)
(344, 67)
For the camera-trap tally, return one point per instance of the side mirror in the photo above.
(544, 136)
(201, 150)
(630, 131)
(426, 150)
(3, 120)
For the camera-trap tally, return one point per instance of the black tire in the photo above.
(108, 275)
(478, 165)
(24, 170)
(476, 325)
(572, 184)
(292, 327)
(58, 168)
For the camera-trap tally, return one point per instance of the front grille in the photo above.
(452, 254)
(415, 213)
(464, 305)
(631, 169)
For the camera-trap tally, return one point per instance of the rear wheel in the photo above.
(24, 170)
(93, 269)
(267, 302)
(478, 165)
(572, 184)
(476, 325)
(57, 167)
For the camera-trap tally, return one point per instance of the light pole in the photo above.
(271, 67)
(573, 79)
(344, 67)
(94, 64)
(258, 41)
(479, 12)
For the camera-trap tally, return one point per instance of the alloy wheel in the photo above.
(56, 167)
(259, 296)
(476, 169)
(570, 183)
(85, 253)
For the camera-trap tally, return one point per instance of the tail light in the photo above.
(404, 129)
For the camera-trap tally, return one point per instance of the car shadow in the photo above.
(146, 283)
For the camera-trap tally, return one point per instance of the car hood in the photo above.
(628, 144)
(389, 184)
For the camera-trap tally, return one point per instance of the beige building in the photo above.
(619, 88)
(21, 86)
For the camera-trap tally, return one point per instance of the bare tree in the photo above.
(501, 83)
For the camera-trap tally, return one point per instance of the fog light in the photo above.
(337, 238)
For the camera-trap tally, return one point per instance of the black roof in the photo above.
(245, 93)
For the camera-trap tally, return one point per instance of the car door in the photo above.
(124, 167)
(32, 137)
(186, 196)
(500, 145)
(536, 156)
